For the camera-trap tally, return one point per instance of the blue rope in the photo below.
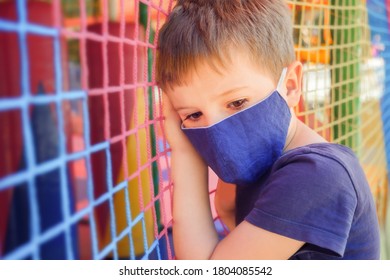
(87, 140)
(38, 234)
(18, 103)
(128, 219)
(111, 203)
(46, 167)
(66, 211)
(379, 25)
(27, 133)
(36, 237)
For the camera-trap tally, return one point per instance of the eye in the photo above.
(193, 117)
(238, 104)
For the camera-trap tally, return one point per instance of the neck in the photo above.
(291, 134)
(300, 134)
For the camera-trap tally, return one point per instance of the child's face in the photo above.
(208, 97)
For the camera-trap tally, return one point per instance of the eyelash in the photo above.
(241, 104)
(189, 117)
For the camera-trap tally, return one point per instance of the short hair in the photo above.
(210, 31)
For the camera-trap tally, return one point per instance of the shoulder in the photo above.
(314, 173)
(319, 153)
(322, 163)
(309, 196)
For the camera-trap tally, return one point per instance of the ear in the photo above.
(293, 83)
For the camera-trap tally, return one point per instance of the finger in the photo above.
(167, 105)
(168, 109)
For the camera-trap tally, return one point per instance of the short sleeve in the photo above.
(309, 197)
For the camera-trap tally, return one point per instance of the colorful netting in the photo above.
(85, 169)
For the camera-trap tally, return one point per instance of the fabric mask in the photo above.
(243, 146)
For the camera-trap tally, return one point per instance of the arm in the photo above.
(225, 203)
(194, 234)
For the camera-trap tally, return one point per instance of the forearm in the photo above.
(194, 234)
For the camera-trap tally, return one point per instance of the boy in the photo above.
(230, 83)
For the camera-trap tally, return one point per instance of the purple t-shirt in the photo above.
(317, 194)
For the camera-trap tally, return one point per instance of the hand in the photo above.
(172, 125)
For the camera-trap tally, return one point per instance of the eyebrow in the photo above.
(230, 91)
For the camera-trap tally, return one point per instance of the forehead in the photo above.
(207, 87)
(214, 74)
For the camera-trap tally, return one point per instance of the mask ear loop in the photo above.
(281, 79)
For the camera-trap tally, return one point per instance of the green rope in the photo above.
(345, 71)
(143, 19)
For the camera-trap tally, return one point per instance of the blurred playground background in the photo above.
(84, 170)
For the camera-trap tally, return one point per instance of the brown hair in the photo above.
(210, 30)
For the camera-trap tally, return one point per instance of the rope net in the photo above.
(85, 169)
(344, 79)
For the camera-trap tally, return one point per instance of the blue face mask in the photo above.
(242, 147)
